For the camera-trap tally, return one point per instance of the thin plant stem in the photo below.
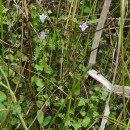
(1, 28)
(122, 9)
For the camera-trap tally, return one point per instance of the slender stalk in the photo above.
(30, 52)
(1, 29)
(82, 8)
(128, 125)
(59, 4)
(58, 111)
(122, 9)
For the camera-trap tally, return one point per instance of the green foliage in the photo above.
(2, 96)
(42, 120)
(58, 95)
(3, 112)
(82, 102)
(16, 109)
(86, 122)
(40, 117)
(87, 10)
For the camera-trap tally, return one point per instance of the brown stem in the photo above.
(29, 52)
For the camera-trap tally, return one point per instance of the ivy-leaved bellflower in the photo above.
(42, 35)
(83, 26)
(42, 18)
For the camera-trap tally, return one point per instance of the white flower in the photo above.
(43, 35)
(42, 18)
(83, 26)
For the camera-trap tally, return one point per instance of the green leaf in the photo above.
(48, 69)
(77, 91)
(39, 103)
(14, 121)
(104, 95)
(94, 18)
(93, 21)
(86, 121)
(45, 96)
(4, 10)
(95, 114)
(76, 125)
(39, 89)
(8, 71)
(83, 113)
(82, 102)
(16, 109)
(71, 111)
(10, 57)
(39, 67)
(46, 121)
(33, 79)
(47, 103)
(61, 115)
(94, 98)
(63, 17)
(40, 117)
(2, 96)
(87, 10)
(39, 82)
(24, 58)
(37, 50)
(52, 46)
(2, 112)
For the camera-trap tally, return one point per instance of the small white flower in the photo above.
(83, 26)
(43, 35)
(42, 18)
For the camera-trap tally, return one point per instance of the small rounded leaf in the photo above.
(2, 96)
(86, 121)
(40, 117)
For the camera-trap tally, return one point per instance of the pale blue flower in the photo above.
(120, 106)
(43, 35)
(83, 26)
(42, 18)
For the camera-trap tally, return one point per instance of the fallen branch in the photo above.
(114, 88)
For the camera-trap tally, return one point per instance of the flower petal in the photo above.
(83, 26)
(43, 35)
(42, 18)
